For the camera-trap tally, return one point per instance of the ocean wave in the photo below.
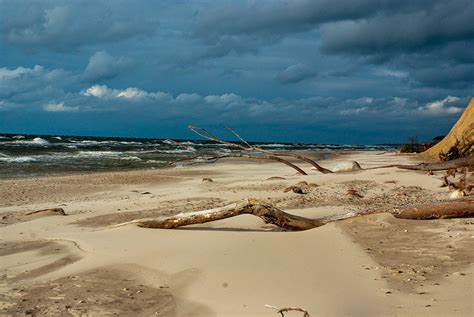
(16, 159)
(155, 161)
(190, 143)
(170, 142)
(88, 142)
(98, 153)
(275, 145)
(35, 141)
(188, 149)
(19, 137)
(130, 158)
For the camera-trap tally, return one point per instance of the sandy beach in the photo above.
(373, 265)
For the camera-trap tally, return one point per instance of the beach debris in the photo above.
(350, 166)
(300, 188)
(48, 212)
(354, 193)
(457, 194)
(207, 180)
(439, 166)
(272, 215)
(146, 193)
(294, 189)
(261, 153)
(460, 185)
(275, 178)
(282, 311)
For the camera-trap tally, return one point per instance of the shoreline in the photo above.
(237, 265)
(318, 156)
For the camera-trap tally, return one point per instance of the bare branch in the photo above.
(249, 156)
(282, 311)
(295, 155)
(239, 137)
(209, 136)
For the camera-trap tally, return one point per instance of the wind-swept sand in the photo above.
(368, 266)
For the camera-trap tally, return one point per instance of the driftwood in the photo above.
(47, 212)
(439, 166)
(453, 209)
(282, 311)
(272, 215)
(212, 159)
(269, 155)
(245, 146)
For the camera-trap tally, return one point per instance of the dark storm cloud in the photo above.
(375, 32)
(447, 76)
(103, 66)
(436, 25)
(67, 25)
(295, 73)
(271, 17)
(351, 71)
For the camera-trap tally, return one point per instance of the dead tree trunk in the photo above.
(272, 215)
(439, 166)
(453, 209)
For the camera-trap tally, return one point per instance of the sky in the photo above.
(313, 71)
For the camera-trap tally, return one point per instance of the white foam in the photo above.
(35, 141)
(18, 159)
(274, 145)
(98, 153)
(155, 161)
(188, 149)
(131, 158)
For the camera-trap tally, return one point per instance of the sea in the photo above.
(36, 155)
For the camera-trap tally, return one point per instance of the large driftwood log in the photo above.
(439, 166)
(272, 215)
(453, 209)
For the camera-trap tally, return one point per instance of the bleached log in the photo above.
(272, 215)
(439, 166)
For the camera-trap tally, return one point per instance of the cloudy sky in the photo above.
(321, 71)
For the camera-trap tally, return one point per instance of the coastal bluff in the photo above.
(462, 132)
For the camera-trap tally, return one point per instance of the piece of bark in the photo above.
(354, 193)
(294, 189)
(275, 178)
(48, 212)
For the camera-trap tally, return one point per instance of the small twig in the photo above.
(282, 311)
